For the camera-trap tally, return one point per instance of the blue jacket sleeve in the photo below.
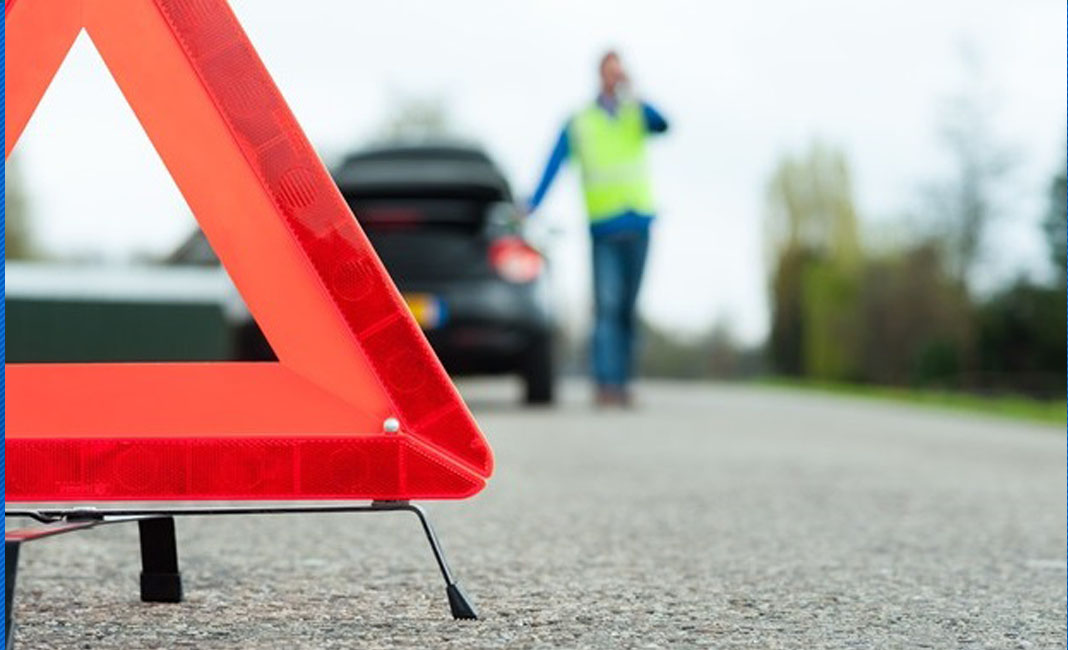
(561, 152)
(654, 121)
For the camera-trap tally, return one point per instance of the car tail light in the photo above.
(514, 260)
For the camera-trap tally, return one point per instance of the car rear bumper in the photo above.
(488, 326)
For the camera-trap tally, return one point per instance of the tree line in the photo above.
(908, 314)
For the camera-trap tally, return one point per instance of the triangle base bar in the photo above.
(384, 467)
(160, 576)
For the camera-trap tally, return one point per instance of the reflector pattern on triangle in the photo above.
(379, 467)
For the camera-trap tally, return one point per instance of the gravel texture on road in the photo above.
(711, 516)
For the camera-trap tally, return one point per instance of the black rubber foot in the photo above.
(161, 587)
(461, 607)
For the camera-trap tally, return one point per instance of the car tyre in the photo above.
(538, 373)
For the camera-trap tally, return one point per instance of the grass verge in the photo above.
(1009, 406)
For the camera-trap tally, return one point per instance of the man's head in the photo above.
(612, 73)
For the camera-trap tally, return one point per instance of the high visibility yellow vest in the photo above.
(611, 156)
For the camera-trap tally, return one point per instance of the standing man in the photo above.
(607, 139)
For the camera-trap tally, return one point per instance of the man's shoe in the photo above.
(609, 397)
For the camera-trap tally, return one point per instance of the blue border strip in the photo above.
(3, 279)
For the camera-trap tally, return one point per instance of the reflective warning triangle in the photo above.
(357, 407)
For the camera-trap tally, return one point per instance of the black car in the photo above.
(443, 220)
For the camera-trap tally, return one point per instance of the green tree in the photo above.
(812, 237)
(811, 206)
(832, 322)
(969, 198)
(917, 320)
(1055, 224)
(1021, 344)
(787, 339)
(18, 236)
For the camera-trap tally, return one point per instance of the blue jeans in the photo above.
(618, 263)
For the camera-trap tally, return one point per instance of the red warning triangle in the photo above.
(357, 407)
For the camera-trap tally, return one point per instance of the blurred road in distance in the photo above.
(712, 516)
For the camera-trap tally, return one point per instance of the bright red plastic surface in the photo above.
(350, 354)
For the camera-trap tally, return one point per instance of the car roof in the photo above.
(422, 169)
(430, 150)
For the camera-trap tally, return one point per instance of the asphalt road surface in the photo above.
(711, 516)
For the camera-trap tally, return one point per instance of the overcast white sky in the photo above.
(741, 83)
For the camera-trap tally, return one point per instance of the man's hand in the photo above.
(523, 211)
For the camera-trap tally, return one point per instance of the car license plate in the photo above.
(428, 309)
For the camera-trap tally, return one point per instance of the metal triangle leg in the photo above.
(459, 604)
